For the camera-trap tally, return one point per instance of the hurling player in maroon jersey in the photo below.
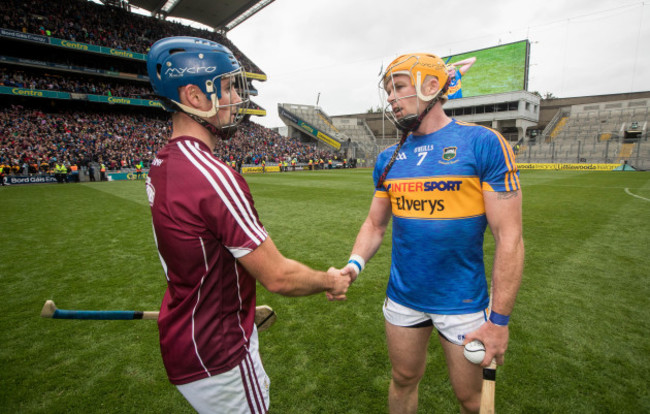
(211, 243)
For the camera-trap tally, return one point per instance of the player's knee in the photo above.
(407, 378)
(469, 401)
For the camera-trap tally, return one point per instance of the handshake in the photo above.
(340, 281)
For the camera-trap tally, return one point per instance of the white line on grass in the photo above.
(627, 190)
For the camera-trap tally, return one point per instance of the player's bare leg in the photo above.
(466, 378)
(407, 350)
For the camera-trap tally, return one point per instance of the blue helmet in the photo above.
(173, 62)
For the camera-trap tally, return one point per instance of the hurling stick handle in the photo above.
(150, 315)
(51, 311)
(487, 393)
(48, 309)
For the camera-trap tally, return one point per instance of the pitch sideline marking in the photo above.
(627, 190)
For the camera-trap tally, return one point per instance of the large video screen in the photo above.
(497, 69)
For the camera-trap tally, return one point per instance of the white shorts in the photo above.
(451, 327)
(242, 390)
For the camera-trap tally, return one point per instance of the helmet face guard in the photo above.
(417, 67)
(174, 62)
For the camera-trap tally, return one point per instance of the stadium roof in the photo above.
(219, 14)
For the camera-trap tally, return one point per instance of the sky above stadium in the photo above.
(331, 51)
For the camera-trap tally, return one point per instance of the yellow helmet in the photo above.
(418, 66)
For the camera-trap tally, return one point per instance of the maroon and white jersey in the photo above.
(203, 220)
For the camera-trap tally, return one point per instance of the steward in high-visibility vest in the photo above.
(60, 172)
(74, 172)
(102, 172)
(311, 164)
(64, 172)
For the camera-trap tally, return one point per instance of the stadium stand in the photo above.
(599, 129)
(350, 136)
(91, 23)
(73, 88)
(121, 140)
(306, 118)
(65, 100)
(589, 129)
(359, 133)
(28, 78)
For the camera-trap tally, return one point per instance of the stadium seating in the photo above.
(594, 131)
(76, 129)
(355, 138)
(602, 132)
(121, 140)
(91, 23)
(359, 132)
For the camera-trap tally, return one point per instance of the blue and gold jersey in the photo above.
(454, 90)
(436, 190)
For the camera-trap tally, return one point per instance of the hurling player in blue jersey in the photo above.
(456, 72)
(442, 185)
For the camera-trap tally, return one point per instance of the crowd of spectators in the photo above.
(35, 137)
(91, 23)
(35, 140)
(254, 143)
(12, 77)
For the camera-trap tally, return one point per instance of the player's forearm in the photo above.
(506, 274)
(284, 276)
(464, 64)
(297, 279)
(464, 61)
(368, 240)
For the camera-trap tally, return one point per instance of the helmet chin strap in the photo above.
(412, 122)
(199, 116)
(223, 133)
(203, 114)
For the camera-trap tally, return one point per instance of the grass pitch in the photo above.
(578, 334)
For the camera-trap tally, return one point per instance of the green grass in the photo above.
(578, 334)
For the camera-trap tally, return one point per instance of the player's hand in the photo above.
(494, 338)
(341, 283)
(350, 270)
